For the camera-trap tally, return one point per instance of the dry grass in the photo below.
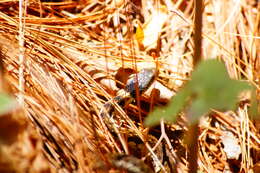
(61, 61)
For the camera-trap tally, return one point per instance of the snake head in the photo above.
(141, 81)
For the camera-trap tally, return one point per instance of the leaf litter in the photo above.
(73, 51)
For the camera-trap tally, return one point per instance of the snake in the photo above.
(136, 85)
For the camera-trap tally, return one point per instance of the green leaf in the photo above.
(254, 108)
(170, 112)
(6, 103)
(210, 88)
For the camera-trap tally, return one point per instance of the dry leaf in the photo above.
(148, 34)
(231, 146)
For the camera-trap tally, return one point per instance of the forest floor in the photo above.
(63, 60)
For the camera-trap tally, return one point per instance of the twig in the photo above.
(194, 128)
(22, 9)
(164, 136)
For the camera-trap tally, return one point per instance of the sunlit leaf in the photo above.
(139, 34)
(153, 27)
